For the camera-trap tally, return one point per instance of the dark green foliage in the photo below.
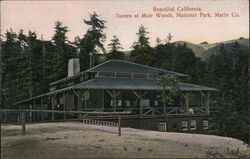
(142, 52)
(92, 41)
(115, 46)
(10, 53)
(185, 61)
(170, 89)
(229, 72)
(63, 51)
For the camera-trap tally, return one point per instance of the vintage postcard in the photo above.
(124, 79)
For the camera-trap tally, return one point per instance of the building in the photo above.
(118, 85)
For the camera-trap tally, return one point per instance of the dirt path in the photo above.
(77, 140)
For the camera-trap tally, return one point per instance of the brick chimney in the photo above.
(73, 67)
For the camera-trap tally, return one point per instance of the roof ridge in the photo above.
(97, 66)
(130, 62)
(160, 69)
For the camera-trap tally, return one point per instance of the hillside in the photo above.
(77, 140)
(205, 50)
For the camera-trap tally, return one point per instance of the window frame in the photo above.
(183, 123)
(205, 124)
(193, 124)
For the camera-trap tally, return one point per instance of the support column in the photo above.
(140, 95)
(23, 122)
(79, 100)
(186, 96)
(42, 114)
(85, 100)
(34, 108)
(119, 125)
(65, 94)
(103, 99)
(208, 103)
(79, 103)
(114, 94)
(53, 106)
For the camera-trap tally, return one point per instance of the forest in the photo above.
(29, 63)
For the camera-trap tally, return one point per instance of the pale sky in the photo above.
(40, 16)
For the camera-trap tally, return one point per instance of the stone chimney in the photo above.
(73, 67)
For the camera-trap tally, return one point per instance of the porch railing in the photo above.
(154, 111)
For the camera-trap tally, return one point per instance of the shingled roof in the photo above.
(129, 67)
(123, 84)
(121, 66)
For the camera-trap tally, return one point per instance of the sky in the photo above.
(40, 16)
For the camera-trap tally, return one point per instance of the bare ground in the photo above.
(78, 140)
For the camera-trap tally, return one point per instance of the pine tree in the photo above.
(9, 77)
(142, 52)
(61, 53)
(92, 41)
(115, 46)
(143, 40)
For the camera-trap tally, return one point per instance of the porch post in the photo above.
(140, 95)
(114, 95)
(201, 100)
(208, 103)
(64, 104)
(34, 114)
(79, 101)
(53, 106)
(42, 115)
(186, 96)
(85, 101)
(102, 99)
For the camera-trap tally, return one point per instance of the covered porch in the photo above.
(140, 96)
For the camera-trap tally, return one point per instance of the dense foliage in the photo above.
(29, 64)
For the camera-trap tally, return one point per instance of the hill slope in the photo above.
(205, 50)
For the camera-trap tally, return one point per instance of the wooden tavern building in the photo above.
(118, 85)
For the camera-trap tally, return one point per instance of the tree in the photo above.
(143, 40)
(230, 74)
(158, 41)
(115, 46)
(184, 61)
(92, 40)
(169, 38)
(170, 89)
(61, 53)
(9, 54)
(142, 52)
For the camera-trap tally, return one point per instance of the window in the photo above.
(139, 75)
(162, 126)
(145, 102)
(193, 125)
(156, 103)
(124, 75)
(205, 124)
(184, 125)
(105, 74)
(119, 102)
(127, 103)
(153, 76)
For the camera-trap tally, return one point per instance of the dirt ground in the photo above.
(78, 140)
